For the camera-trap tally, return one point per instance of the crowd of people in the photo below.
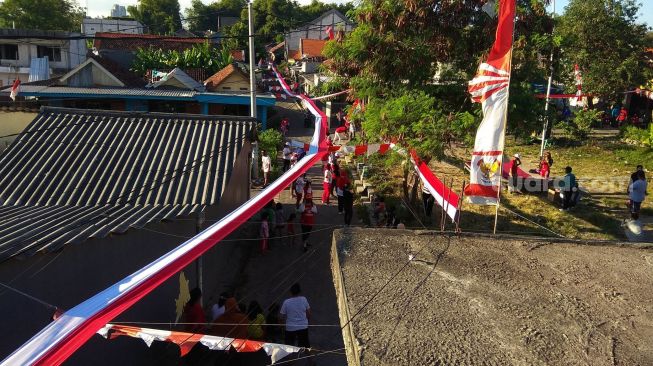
(286, 324)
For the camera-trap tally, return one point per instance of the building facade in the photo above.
(90, 26)
(317, 29)
(18, 47)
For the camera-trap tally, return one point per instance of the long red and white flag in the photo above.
(490, 87)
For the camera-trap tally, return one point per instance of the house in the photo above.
(100, 83)
(20, 50)
(231, 78)
(89, 196)
(316, 29)
(121, 48)
(90, 26)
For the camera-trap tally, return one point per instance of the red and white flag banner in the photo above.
(186, 341)
(577, 101)
(15, 89)
(490, 87)
(332, 95)
(62, 337)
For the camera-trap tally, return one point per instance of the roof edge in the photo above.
(46, 109)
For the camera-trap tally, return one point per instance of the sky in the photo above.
(103, 7)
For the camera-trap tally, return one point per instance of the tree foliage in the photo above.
(605, 40)
(431, 49)
(201, 56)
(203, 17)
(159, 16)
(41, 14)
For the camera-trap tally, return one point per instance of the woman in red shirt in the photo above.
(193, 314)
(307, 220)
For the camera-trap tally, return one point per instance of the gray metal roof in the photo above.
(75, 174)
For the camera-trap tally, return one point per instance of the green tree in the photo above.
(201, 56)
(202, 17)
(159, 16)
(604, 39)
(41, 14)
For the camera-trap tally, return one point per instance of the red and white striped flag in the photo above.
(15, 89)
(490, 87)
(578, 76)
(329, 32)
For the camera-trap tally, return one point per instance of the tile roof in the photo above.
(212, 82)
(311, 47)
(129, 78)
(132, 42)
(76, 174)
(276, 47)
(238, 55)
(295, 55)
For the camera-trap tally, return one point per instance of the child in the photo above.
(290, 228)
(265, 233)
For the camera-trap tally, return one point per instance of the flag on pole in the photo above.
(490, 87)
(15, 89)
(329, 32)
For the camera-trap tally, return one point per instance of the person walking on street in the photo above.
(296, 313)
(307, 220)
(348, 201)
(326, 184)
(567, 189)
(193, 315)
(287, 154)
(340, 185)
(637, 194)
(299, 190)
(267, 166)
(427, 200)
(265, 233)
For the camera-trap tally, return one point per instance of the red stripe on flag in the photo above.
(360, 150)
(481, 190)
(384, 148)
(487, 153)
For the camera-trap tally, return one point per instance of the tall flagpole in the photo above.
(548, 90)
(505, 126)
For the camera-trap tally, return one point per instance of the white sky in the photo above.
(103, 7)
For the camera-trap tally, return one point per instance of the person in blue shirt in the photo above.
(567, 187)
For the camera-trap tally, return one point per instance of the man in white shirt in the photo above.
(267, 166)
(637, 193)
(286, 157)
(296, 313)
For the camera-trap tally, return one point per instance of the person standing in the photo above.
(514, 173)
(296, 313)
(308, 190)
(264, 232)
(623, 117)
(348, 201)
(326, 184)
(567, 189)
(287, 154)
(340, 185)
(545, 170)
(233, 323)
(266, 162)
(193, 315)
(637, 194)
(307, 220)
(427, 200)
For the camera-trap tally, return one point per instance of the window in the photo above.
(52, 53)
(9, 52)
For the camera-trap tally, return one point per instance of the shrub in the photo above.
(637, 136)
(580, 127)
(271, 141)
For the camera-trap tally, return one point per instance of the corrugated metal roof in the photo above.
(75, 174)
(106, 91)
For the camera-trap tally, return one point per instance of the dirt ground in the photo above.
(482, 300)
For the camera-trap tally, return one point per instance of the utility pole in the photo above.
(548, 92)
(252, 86)
(252, 75)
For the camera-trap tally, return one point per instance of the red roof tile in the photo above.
(132, 42)
(238, 55)
(311, 47)
(212, 82)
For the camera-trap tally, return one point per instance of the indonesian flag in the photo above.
(329, 32)
(578, 76)
(490, 87)
(15, 89)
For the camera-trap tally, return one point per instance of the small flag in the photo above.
(329, 32)
(15, 89)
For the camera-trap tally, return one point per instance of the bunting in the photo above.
(186, 341)
(490, 87)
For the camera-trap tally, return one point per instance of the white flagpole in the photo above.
(548, 91)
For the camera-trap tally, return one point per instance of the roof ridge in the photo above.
(50, 109)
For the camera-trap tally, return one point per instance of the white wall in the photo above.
(90, 26)
(73, 53)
